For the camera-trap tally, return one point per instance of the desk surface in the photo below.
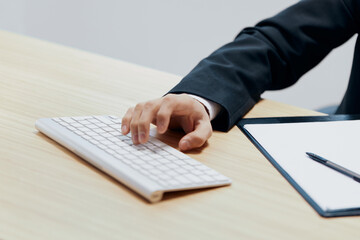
(46, 192)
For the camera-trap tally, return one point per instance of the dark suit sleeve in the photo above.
(272, 55)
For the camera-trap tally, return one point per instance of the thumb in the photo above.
(196, 138)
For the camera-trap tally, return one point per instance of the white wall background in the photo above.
(169, 35)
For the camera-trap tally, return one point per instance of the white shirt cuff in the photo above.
(212, 107)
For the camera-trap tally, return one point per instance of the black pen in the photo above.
(334, 166)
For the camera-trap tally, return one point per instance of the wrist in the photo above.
(211, 107)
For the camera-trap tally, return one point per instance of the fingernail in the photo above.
(135, 139)
(160, 126)
(142, 137)
(123, 128)
(184, 145)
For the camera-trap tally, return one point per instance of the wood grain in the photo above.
(46, 192)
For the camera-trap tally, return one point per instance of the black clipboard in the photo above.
(272, 120)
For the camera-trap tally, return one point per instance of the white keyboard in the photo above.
(149, 169)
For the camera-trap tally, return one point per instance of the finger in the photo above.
(135, 123)
(196, 138)
(147, 115)
(164, 114)
(125, 122)
(187, 124)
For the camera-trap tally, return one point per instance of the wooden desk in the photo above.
(46, 192)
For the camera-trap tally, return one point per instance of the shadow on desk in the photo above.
(172, 138)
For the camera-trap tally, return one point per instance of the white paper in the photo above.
(337, 141)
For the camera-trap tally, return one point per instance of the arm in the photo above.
(272, 55)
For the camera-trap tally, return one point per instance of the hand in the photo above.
(171, 111)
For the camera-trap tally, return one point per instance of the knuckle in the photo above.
(134, 124)
(184, 95)
(125, 119)
(161, 115)
(139, 106)
(194, 104)
(168, 99)
(129, 112)
(142, 123)
(148, 105)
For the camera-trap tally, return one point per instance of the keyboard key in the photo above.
(104, 120)
(207, 178)
(182, 179)
(173, 182)
(68, 120)
(157, 162)
(193, 178)
(181, 170)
